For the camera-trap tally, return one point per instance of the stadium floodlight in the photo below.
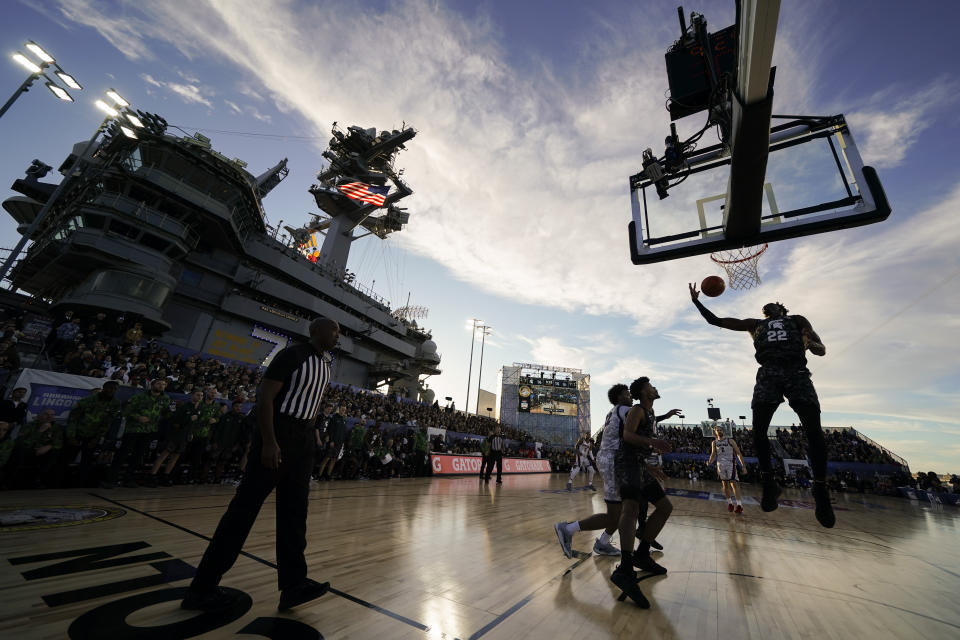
(38, 51)
(117, 100)
(127, 131)
(107, 109)
(60, 92)
(69, 80)
(27, 62)
(134, 120)
(37, 73)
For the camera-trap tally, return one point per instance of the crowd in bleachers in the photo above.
(842, 446)
(216, 392)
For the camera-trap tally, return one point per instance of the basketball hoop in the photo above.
(740, 265)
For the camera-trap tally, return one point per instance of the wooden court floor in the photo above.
(453, 558)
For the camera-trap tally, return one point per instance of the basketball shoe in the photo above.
(605, 548)
(565, 538)
(626, 579)
(730, 506)
(569, 486)
(824, 511)
(644, 562)
(771, 491)
(739, 509)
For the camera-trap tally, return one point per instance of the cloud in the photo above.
(890, 124)
(521, 185)
(233, 106)
(188, 93)
(126, 33)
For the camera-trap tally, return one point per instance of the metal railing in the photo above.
(140, 211)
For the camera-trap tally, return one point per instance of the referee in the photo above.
(496, 454)
(281, 456)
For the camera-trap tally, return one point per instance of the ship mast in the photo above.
(366, 157)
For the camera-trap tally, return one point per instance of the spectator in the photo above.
(134, 335)
(6, 449)
(36, 452)
(9, 358)
(88, 424)
(228, 437)
(143, 413)
(177, 434)
(14, 409)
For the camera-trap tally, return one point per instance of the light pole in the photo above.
(112, 113)
(37, 71)
(473, 335)
(485, 330)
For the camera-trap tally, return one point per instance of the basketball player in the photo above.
(637, 484)
(781, 342)
(726, 452)
(619, 396)
(584, 461)
(288, 403)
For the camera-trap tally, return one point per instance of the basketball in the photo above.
(712, 286)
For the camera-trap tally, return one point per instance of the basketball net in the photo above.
(740, 265)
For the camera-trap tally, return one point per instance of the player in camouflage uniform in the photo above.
(89, 422)
(143, 413)
(781, 342)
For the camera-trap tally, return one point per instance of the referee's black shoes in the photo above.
(304, 592)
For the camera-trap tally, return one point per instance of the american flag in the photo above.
(363, 192)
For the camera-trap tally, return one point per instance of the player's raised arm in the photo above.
(810, 338)
(734, 324)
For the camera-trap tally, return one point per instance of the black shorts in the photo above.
(652, 492)
(774, 382)
(635, 480)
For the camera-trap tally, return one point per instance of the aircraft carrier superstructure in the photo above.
(165, 229)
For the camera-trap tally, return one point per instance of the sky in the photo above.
(530, 117)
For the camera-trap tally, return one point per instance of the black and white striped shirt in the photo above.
(496, 443)
(305, 373)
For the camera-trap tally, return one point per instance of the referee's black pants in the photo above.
(292, 481)
(496, 458)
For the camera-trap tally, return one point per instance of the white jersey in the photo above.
(613, 429)
(585, 451)
(725, 452)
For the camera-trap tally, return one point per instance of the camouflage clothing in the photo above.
(32, 438)
(6, 448)
(202, 427)
(357, 436)
(92, 417)
(793, 381)
(145, 404)
(420, 443)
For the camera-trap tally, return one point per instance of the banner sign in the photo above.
(444, 464)
(59, 399)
